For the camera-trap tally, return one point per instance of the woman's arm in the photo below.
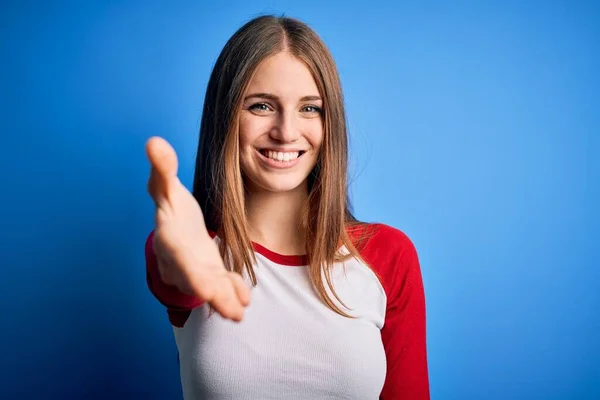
(178, 304)
(404, 332)
(392, 255)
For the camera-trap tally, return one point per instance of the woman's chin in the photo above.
(280, 184)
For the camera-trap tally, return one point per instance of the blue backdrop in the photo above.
(475, 129)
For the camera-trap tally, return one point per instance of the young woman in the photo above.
(273, 288)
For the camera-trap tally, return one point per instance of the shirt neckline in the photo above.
(282, 259)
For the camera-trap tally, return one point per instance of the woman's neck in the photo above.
(275, 219)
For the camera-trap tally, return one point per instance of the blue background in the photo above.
(475, 129)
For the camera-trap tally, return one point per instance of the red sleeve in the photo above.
(394, 258)
(179, 305)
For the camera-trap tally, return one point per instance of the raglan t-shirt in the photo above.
(292, 346)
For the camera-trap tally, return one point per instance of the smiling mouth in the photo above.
(282, 156)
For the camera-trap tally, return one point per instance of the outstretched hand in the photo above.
(188, 258)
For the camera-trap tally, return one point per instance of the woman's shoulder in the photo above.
(377, 236)
(388, 251)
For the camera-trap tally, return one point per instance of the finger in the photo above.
(226, 301)
(164, 165)
(241, 288)
(162, 157)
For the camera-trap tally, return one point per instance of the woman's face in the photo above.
(281, 126)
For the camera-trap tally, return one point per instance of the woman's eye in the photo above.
(312, 109)
(260, 107)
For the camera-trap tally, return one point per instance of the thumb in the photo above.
(162, 157)
(164, 165)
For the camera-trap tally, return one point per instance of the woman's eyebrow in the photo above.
(271, 96)
(262, 96)
(311, 98)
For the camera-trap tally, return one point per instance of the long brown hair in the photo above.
(218, 182)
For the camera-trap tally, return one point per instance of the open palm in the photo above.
(188, 257)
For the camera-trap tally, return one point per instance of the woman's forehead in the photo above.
(283, 76)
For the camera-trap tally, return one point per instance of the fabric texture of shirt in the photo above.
(291, 346)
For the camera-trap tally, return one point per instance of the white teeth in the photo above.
(280, 156)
